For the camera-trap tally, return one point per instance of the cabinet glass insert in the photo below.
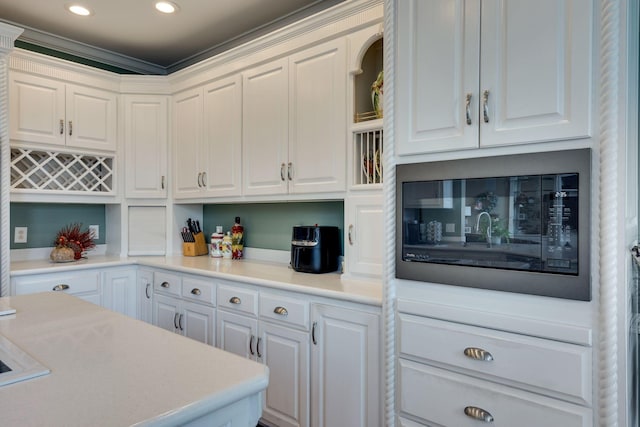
(527, 223)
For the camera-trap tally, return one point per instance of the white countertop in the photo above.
(269, 274)
(109, 369)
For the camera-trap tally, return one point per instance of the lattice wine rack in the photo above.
(368, 157)
(55, 171)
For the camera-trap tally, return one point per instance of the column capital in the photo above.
(8, 36)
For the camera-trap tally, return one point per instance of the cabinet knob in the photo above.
(60, 287)
(196, 291)
(281, 311)
(165, 285)
(478, 354)
(478, 414)
(235, 300)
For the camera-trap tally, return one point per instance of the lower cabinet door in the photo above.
(197, 321)
(237, 334)
(345, 367)
(286, 352)
(439, 397)
(165, 312)
(119, 291)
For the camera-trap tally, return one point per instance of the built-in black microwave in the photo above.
(517, 223)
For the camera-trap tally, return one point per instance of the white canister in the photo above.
(216, 242)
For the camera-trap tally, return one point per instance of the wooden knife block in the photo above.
(197, 248)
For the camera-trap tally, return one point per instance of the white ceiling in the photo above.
(132, 35)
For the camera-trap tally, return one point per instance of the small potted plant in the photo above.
(71, 242)
(499, 231)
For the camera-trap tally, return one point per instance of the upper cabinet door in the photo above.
(37, 109)
(529, 81)
(318, 118)
(265, 113)
(536, 69)
(438, 64)
(91, 118)
(222, 145)
(146, 146)
(187, 139)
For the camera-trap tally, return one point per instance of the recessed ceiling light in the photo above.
(166, 7)
(77, 9)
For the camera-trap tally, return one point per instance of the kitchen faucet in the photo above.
(488, 226)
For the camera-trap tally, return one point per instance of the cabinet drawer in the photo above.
(440, 397)
(548, 367)
(283, 309)
(198, 290)
(72, 282)
(240, 300)
(167, 283)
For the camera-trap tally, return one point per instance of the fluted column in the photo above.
(8, 36)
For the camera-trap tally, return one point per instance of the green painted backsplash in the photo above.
(45, 219)
(269, 225)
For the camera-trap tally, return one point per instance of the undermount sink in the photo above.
(16, 365)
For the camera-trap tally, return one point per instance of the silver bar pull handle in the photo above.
(60, 287)
(200, 179)
(146, 291)
(204, 179)
(235, 300)
(258, 348)
(162, 182)
(350, 234)
(478, 414)
(282, 166)
(196, 291)
(165, 285)
(251, 345)
(70, 128)
(175, 321)
(476, 353)
(180, 322)
(290, 171)
(485, 105)
(468, 108)
(281, 311)
(61, 126)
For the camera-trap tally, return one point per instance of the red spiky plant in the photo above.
(72, 236)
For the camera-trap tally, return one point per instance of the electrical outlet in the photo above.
(20, 235)
(94, 230)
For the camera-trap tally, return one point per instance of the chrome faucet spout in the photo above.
(480, 215)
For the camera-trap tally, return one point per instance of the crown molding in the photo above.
(8, 36)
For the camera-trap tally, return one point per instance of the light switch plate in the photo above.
(94, 230)
(20, 235)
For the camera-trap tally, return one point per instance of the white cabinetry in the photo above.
(345, 360)
(294, 123)
(84, 284)
(278, 335)
(146, 145)
(48, 111)
(185, 305)
(365, 240)
(208, 139)
(476, 74)
(455, 374)
(119, 290)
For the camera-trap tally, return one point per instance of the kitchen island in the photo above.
(108, 369)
